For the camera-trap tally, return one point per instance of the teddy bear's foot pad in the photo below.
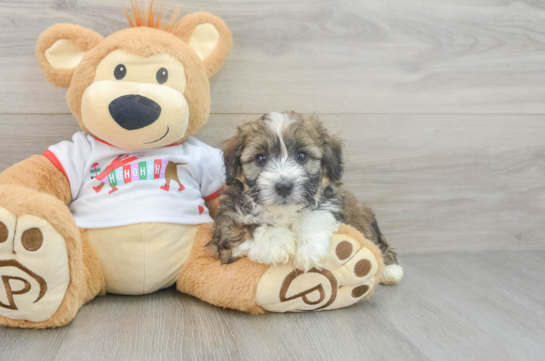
(34, 272)
(348, 275)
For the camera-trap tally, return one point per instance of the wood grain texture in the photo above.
(436, 182)
(345, 56)
(441, 311)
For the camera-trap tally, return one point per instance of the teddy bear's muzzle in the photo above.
(134, 111)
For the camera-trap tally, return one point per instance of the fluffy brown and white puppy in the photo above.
(283, 200)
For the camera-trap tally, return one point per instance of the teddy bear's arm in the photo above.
(213, 206)
(39, 174)
(350, 273)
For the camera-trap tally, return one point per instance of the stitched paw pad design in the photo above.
(348, 275)
(34, 272)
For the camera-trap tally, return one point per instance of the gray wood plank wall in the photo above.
(440, 103)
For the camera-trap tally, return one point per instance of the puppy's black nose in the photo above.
(134, 111)
(283, 188)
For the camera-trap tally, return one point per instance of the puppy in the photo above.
(283, 198)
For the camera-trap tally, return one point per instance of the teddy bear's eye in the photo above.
(120, 71)
(162, 76)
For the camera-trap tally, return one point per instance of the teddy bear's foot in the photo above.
(34, 272)
(350, 273)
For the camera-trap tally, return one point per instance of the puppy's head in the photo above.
(283, 159)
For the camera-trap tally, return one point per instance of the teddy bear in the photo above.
(127, 205)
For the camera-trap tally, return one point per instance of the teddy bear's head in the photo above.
(142, 87)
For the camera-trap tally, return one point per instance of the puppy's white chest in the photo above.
(285, 216)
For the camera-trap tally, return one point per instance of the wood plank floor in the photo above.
(441, 311)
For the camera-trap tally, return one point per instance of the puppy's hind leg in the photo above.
(392, 272)
(362, 218)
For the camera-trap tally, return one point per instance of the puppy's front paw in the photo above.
(225, 253)
(314, 231)
(310, 256)
(270, 245)
(273, 257)
(221, 248)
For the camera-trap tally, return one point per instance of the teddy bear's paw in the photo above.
(34, 272)
(348, 275)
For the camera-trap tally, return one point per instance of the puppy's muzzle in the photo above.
(133, 112)
(283, 188)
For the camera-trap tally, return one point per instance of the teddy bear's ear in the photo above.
(209, 37)
(60, 49)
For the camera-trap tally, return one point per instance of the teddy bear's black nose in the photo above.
(134, 111)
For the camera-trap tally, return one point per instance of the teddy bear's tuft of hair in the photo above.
(148, 16)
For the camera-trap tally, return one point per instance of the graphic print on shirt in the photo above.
(126, 169)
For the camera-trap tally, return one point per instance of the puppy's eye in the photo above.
(260, 159)
(120, 71)
(162, 76)
(301, 157)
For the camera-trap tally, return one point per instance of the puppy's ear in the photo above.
(232, 152)
(332, 161)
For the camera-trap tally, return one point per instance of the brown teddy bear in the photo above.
(126, 206)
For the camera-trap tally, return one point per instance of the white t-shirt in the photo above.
(112, 188)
